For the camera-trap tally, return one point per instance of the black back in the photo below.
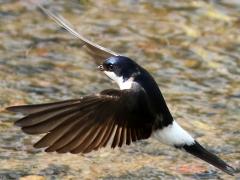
(124, 66)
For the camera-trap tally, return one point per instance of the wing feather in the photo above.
(49, 124)
(54, 135)
(123, 134)
(95, 50)
(102, 130)
(30, 109)
(66, 136)
(88, 138)
(128, 136)
(117, 135)
(77, 140)
(88, 123)
(43, 116)
(109, 136)
(133, 134)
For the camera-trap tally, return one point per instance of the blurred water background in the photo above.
(192, 48)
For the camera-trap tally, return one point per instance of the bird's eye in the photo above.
(110, 67)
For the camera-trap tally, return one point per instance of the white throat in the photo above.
(119, 80)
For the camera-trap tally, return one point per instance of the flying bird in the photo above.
(115, 117)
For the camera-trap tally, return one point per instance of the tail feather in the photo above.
(197, 150)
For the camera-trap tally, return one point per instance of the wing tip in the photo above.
(17, 109)
(93, 47)
(39, 144)
(11, 108)
(18, 123)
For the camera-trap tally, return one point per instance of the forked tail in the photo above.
(197, 150)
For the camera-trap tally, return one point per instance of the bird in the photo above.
(113, 117)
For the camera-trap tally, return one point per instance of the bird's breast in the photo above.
(126, 84)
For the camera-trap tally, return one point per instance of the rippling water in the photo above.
(192, 48)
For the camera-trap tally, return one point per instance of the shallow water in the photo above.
(192, 48)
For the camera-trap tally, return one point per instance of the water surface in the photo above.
(190, 47)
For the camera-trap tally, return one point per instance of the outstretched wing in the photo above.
(112, 117)
(98, 52)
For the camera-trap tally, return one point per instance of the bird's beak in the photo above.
(101, 68)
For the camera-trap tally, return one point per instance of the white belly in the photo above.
(174, 134)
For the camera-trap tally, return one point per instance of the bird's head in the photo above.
(120, 69)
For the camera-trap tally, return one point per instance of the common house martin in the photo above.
(115, 117)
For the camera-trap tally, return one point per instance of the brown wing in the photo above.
(112, 117)
(98, 52)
